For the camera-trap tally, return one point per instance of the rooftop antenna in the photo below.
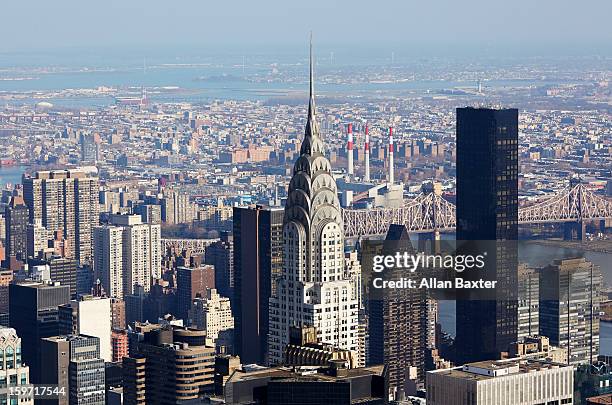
(144, 65)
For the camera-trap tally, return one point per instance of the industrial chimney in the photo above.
(367, 154)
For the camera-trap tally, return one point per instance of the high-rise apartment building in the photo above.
(192, 282)
(13, 371)
(127, 254)
(74, 362)
(511, 381)
(167, 365)
(176, 208)
(213, 313)
(38, 239)
(220, 254)
(569, 307)
(89, 316)
(149, 213)
(313, 289)
(67, 201)
(487, 210)
(34, 315)
(398, 321)
(258, 259)
(16, 216)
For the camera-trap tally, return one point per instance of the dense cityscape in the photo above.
(306, 228)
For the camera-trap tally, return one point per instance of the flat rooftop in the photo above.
(484, 370)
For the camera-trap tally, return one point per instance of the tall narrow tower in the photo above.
(313, 281)
(367, 154)
(487, 210)
(391, 151)
(349, 149)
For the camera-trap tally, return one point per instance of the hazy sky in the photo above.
(33, 25)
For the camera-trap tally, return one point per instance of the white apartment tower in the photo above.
(213, 314)
(313, 289)
(127, 253)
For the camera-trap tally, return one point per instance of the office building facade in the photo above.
(34, 315)
(168, 365)
(487, 210)
(502, 382)
(258, 252)
(16, 217)
(569, 307)
(192, 282)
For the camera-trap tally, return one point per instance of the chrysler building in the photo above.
(314, 288)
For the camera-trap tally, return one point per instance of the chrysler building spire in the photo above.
(312, 138)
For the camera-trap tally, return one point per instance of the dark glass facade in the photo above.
(258, 260)
(487, 210)
(34, 315)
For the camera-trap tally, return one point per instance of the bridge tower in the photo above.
(575, 230)
(430, 241)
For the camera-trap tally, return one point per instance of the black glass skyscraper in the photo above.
(34, 314)
(258, 261)
(487, 210)
(17, 215)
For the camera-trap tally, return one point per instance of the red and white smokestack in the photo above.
(391, 147)
(367, 154)
(349, 149)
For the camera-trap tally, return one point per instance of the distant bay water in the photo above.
(11, 175)
(201, 83)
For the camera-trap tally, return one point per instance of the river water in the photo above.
(539, 256)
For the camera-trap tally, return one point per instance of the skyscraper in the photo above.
(89, 316)
(487, 210)
(13, 371)
(313, 289)
(74, 362)
(221, 255)
(34, 315)
(67, 201)
(569, 307)
(127, 253)
(16, 216)
(528, 302)
(191, 283)
(398, 322)
(258, 262)
(61, 270)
